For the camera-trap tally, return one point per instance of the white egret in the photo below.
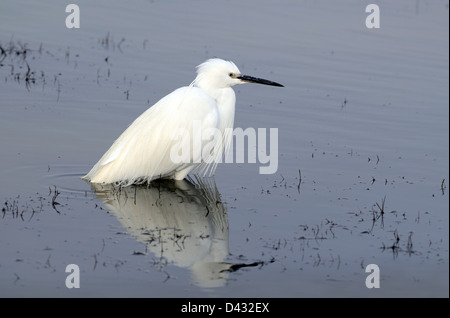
(144, 151)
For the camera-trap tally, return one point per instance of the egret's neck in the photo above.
(225, 99)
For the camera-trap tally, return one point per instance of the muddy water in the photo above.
(362, 139)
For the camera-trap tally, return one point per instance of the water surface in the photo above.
(363, 151)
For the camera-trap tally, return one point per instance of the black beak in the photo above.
(250, 79)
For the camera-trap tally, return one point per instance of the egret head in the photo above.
(217, 73)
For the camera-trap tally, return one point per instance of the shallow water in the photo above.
(363, 116)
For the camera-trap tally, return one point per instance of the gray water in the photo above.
(363, 166)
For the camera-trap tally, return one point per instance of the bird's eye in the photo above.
(231, 75)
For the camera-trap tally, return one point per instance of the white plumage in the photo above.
(143, 152)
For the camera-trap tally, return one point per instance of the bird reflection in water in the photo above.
(182, 222)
